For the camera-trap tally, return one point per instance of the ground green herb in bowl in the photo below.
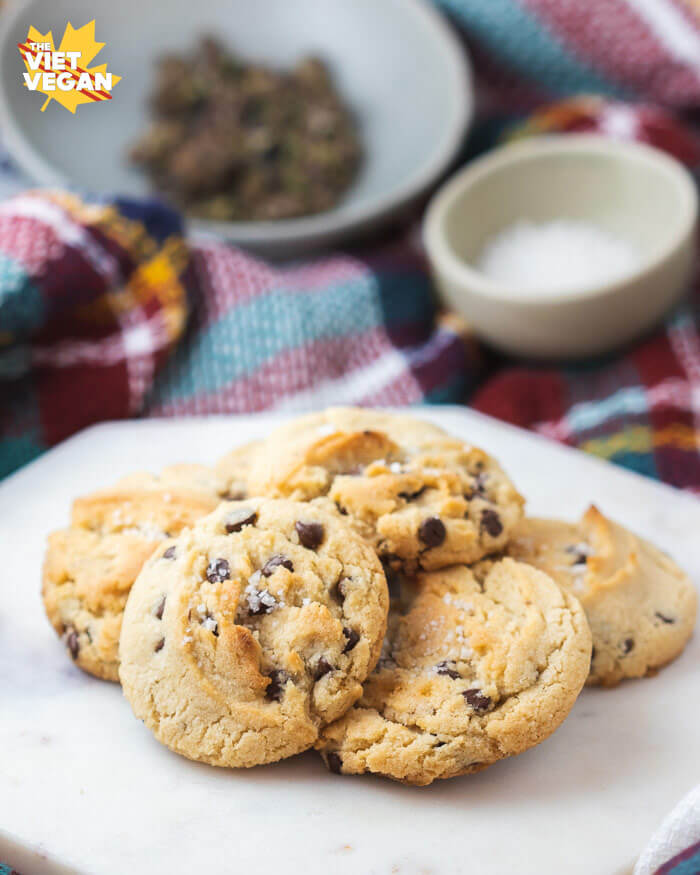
(237, 141)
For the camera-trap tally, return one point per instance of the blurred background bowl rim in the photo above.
(336, 221)
(448, 262)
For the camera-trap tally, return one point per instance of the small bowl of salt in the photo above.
(564, 246)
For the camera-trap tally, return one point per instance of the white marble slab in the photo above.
(85, 788)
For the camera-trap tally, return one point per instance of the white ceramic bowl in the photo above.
(636, 192)
(397, 62)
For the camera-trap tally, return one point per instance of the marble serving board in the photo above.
(85, 788)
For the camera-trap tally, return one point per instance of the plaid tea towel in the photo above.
(674, 849)
(106, 313)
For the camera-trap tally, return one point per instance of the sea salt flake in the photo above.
(146, 530)
(578, 577)
(257, 599)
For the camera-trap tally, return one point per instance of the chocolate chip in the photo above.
(412, 496)
(477, 699)
(275, 689)
(310, 534)
(478, 487)
(159, 645)
(579, 557)
(334, 762)
(160, 609)
(72, 643)
(480, 483)
(491, 523)
(352, 637)
(237, 519)
(341, 509)
(432, 531)
(322, 668)
(256, 606)
(339, 591)
(169, 553)
(445, 667)
(627, 645)
(664, 619)
(275, 562)
(218, 570)
(235, 495)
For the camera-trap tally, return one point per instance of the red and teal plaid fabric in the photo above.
(106, 313)
(685, 863)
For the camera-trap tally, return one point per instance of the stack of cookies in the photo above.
(358, 582)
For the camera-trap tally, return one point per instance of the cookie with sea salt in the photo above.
(90, 566)
(478, 664)
(252, 630)
(422, 498)
(640, 605)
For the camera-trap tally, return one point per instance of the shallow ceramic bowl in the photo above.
(397, 63)
(636, 192)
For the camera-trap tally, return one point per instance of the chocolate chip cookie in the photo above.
(641, 607)
(478, 664)
(89, 567)
(252, 630)
(423, 498)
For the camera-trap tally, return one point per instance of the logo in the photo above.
(65, 74)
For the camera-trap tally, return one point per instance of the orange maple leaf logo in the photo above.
(71, 80)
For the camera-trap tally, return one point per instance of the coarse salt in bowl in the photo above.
(556, 255)
(563, 246)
